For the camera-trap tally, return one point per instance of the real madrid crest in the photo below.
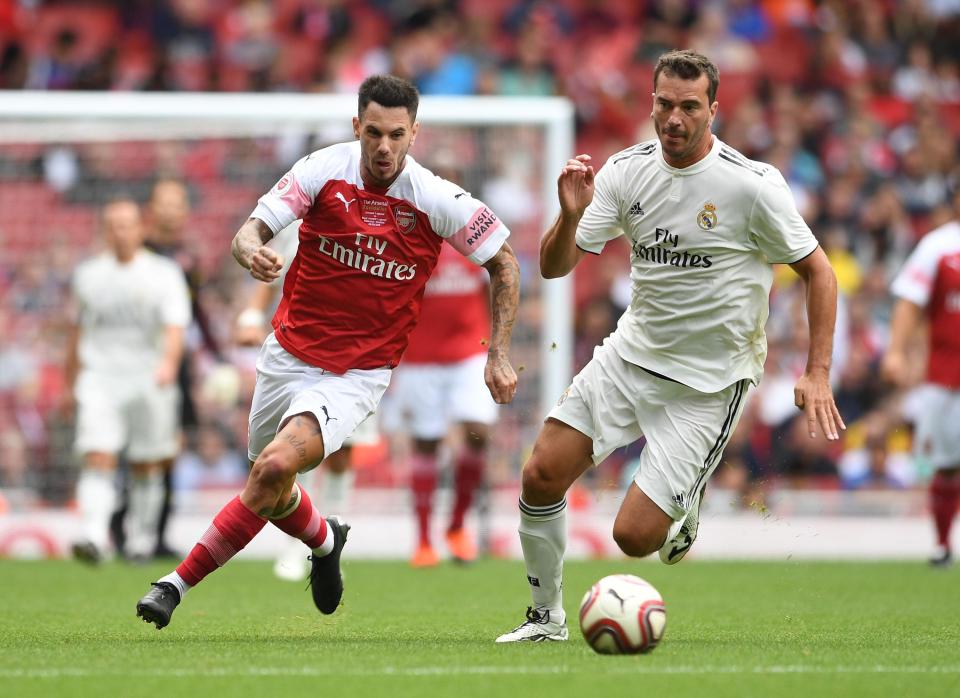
(405, 216)
(707, 217)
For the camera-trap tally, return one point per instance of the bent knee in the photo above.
(273, 468)
(542, 481)
(638, 542)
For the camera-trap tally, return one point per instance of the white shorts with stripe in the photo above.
(615, 402)
(117, 412)
(936, 411)
(427, 399)
(287, 386)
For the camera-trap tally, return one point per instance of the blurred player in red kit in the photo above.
(374, 221)
(928, 287)
(440, 384)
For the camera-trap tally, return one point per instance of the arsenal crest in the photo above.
(405, 216)
(283, 186)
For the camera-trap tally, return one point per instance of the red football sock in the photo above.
(231, 530)
(944, 497)
(469, 472)
(423, 481)
(304, 522)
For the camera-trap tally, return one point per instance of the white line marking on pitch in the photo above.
(71, 672)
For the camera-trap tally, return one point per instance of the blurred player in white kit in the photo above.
(131, 308)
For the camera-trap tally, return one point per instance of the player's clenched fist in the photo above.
(265, 265)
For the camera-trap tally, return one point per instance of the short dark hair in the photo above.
(388, 91)
(688, 65)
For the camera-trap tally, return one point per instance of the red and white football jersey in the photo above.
(931, 279)
(454, 315)
(353, 291)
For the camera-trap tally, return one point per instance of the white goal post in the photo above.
(64, 117)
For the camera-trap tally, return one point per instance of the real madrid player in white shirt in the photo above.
(131, 309)
(705, 224)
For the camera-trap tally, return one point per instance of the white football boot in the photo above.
(537, 628)
(682, 533)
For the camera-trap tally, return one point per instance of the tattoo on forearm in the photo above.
(251, 236)
(504, 299)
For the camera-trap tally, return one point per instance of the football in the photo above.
(622, 614)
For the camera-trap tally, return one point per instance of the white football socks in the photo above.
(326, 547)
(543, 537)
(177, 581)
(146, 503)
(96, 500)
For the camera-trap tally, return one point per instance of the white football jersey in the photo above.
(703, 239)
(123, 310)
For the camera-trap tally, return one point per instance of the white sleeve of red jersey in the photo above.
(915, 281)
(466, 223)
(296, 191)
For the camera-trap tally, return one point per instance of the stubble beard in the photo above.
(380, 181)
(685, 151)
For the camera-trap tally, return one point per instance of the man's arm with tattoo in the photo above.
(250, 251)
(504, 273)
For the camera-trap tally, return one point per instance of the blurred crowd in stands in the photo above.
(857, 102)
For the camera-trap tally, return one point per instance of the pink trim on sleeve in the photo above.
(917, 276)
(470, 237)
(288, 190)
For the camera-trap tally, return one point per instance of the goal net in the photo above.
(62, 155)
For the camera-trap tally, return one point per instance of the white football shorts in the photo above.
(114, 412)
(287, 386)
(615, 402)
(936, 412)
(427, 399)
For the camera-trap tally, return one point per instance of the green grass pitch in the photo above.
(733, 629)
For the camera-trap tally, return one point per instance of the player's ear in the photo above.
(413, 132)
(356, 127)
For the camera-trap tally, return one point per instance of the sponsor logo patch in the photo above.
(373, 212)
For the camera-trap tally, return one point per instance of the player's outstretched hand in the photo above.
(575, 185)
(500, 377)
(814, 396)
(265, 265)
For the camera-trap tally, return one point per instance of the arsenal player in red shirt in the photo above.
(373, 224)
(928, 287)
(439, 385)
